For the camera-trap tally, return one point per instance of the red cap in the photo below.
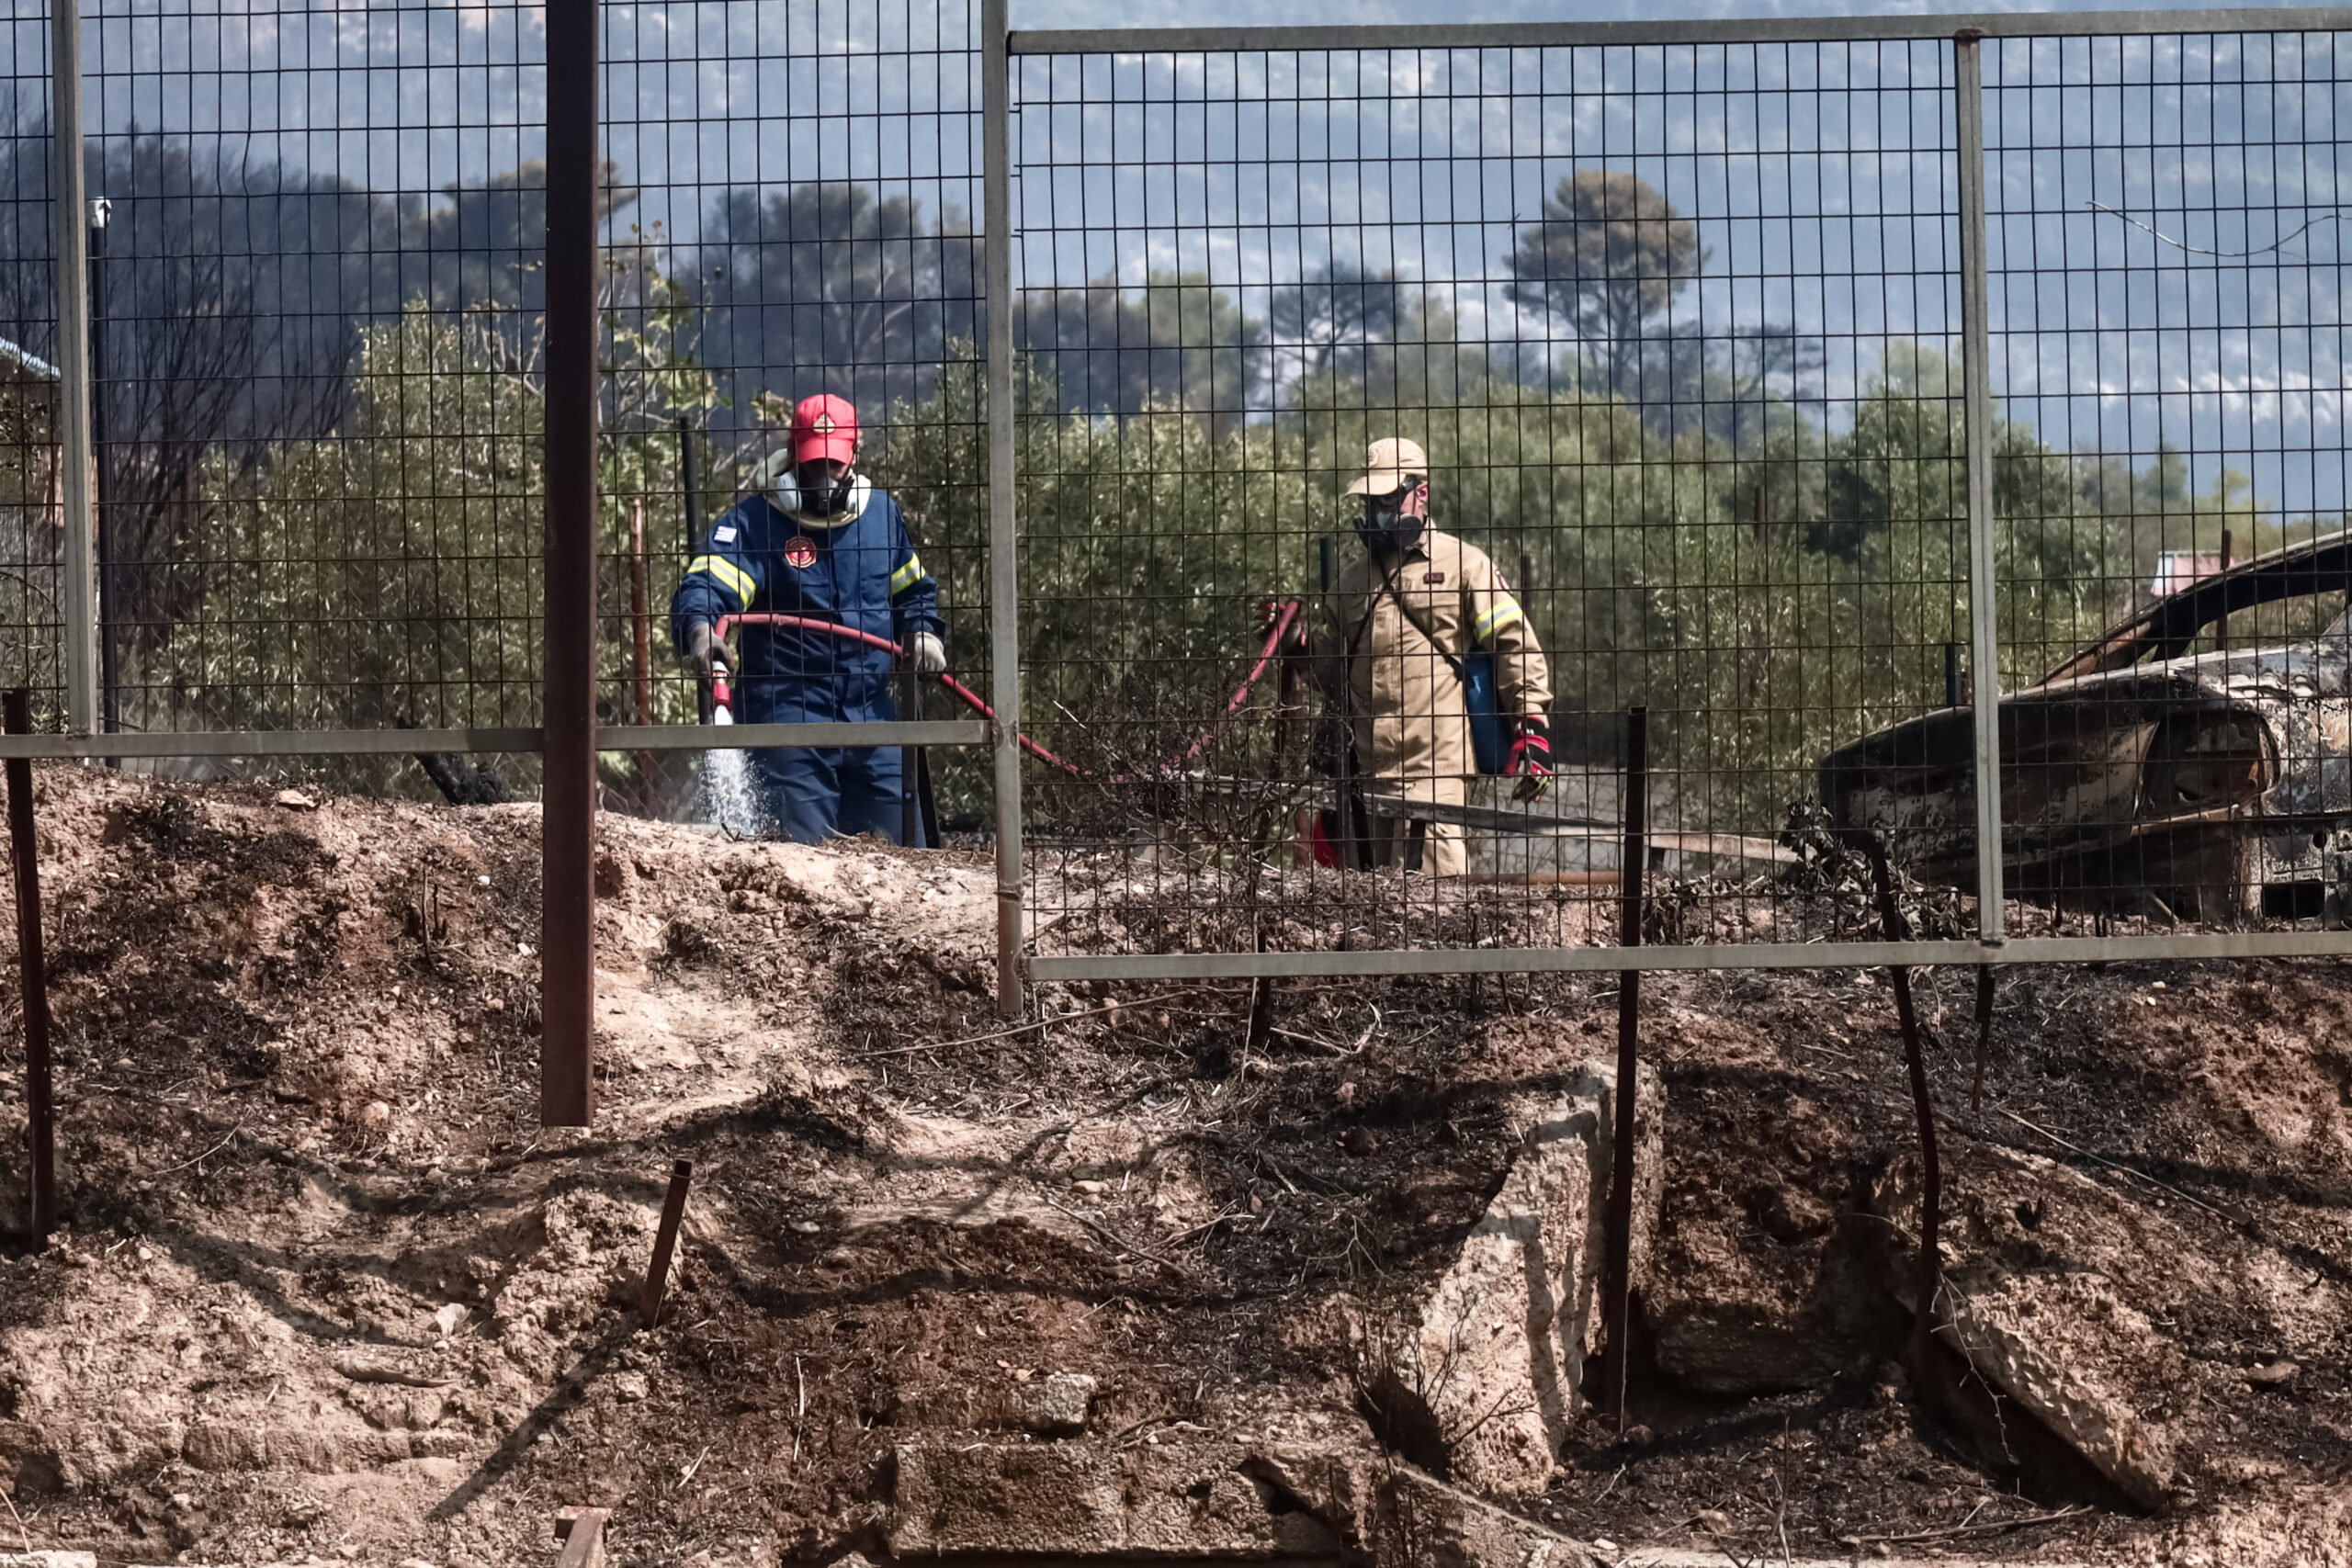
(825, 427)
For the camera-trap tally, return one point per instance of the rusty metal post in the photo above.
(665, 1243)
(642, 652)
(568, 793)
(1984, 1034)
(1617, 1267)
(40, 1106)
(581, 1530)
(690, 483)
(2222, 627)
(1932, 1177)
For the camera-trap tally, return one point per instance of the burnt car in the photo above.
(2193, 763)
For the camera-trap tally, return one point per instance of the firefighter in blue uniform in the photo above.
(815, 539)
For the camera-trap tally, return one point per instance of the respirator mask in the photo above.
(810, 494)
(1385, 526)
(824, 493)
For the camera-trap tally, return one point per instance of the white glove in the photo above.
(928, 653)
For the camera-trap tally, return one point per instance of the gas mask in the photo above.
(812, 495)
(824, 493)
(1384, 527)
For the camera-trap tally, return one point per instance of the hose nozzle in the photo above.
(722, 696)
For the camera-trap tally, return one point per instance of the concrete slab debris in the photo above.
(1483, 1382)
(2067, 1348)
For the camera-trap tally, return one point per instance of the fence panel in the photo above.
(796, 203)
(2169, 344)
(1675, 327)
(316, 308)
(31, 479)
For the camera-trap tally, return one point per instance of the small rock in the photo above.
(295, 800)
(1713, 1521)
(413, 1563)
(631, 1386)
(2273, 1375)
(806, 1227)
(1345, 1094)
(1090, 1188)
(449, 1318)
(1056, 1406)
(376, 1116)
(348, 1551)
(1603, 1543)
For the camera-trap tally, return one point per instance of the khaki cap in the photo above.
(1388, 464)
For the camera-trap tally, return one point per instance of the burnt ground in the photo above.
(300, 1156)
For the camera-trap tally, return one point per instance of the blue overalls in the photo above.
(863, 574)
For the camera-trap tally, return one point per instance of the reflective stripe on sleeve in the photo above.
(907, 576)
(727, 575)
(1505, 611)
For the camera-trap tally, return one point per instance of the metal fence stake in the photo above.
(1984, 653)
(2222, 627)
(68, 212)
(665, 1243)
(1004, 581)
(23, 846)
(641, 649)
(1983, 1035)
(1617, 1269)
(1931, 1179)
(567, 894)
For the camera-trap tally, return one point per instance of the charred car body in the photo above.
(2145, 774)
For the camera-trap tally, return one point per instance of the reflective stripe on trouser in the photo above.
(1444, 847)
(816, 792)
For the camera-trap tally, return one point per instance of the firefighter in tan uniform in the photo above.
(1390, 642)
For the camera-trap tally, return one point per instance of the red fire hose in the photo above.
(1285, 614)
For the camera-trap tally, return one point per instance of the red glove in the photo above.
(1530, 759)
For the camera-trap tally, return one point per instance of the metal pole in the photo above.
(2222, 627)
(641, 649)
(1985, 662)
(38, 1106)
(79, 612)
(568, 795)
(665, 1243)
(1931, 1182)
(1004, 581)
(109, 594)
(1617, 1267)
(691, 484)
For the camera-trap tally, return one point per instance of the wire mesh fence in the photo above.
(2168, 344)
(31, 520)
(1393, 414)
(1670, 335)
(315, 308)
(794, 199)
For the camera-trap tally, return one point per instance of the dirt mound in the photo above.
(326, 1289)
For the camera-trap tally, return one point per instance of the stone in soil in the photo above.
(1483, 1382)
